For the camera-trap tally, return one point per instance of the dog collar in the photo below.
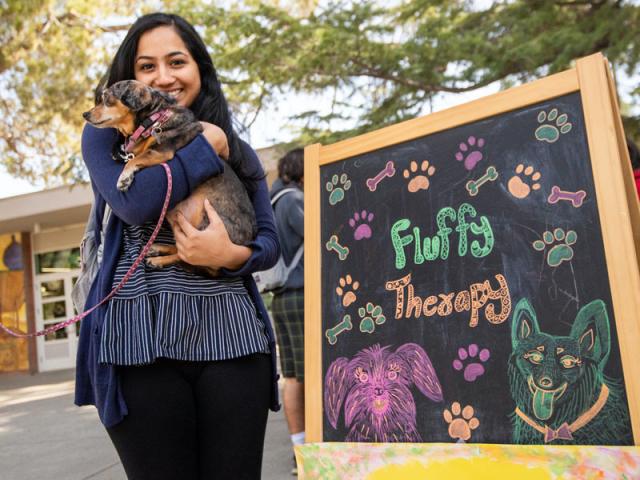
(564, 432)
(149, 126)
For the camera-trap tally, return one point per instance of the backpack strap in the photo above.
(103, 230)
(295, 260)
(300, 251)
(281, 194)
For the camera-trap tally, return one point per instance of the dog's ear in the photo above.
(421, 370)
(336, 383)
(137, 96)
(524, 322)
(592, 331)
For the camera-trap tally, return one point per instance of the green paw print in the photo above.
(547, 132)
(337, 192)
(371, 316)
(560, 252)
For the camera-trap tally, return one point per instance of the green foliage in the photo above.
(380, 64)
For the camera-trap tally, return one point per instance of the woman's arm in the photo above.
(213, 248)
(191, 165)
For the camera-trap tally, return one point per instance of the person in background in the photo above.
(287, 306)
(634, 156)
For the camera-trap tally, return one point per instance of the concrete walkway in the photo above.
(44, 436)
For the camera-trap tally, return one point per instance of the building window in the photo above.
(60, 261)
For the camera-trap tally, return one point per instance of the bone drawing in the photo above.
(332, 333)
(333, 244)
(473, 186)
(389, 171)
(576, 198)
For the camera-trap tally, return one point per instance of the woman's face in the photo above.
(163, 62)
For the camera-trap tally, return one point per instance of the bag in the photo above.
(277, 276)
(90, 258)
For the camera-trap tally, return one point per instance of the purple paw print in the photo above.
(474, 369)
(360, 222)
(471, 158)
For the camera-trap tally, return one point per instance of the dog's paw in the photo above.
(124, 182)
(154, 251)
(153, 262)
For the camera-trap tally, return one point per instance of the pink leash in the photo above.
(124, 280)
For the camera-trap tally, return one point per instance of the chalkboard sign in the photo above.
(471, 276)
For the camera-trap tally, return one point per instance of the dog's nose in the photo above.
(545, 382)
(85, 115)
(378, 391)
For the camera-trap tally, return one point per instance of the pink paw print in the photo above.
(360, 223)
(474, 369)
(470, 152)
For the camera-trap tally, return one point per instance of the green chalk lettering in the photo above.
(400, 242)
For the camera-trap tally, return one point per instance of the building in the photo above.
(40, 235)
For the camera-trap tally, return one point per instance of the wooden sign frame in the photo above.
(618, 209)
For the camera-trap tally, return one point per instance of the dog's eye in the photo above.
(107, 100)
(534, 357)
(392, 375)
(361, 375)
(569, 361)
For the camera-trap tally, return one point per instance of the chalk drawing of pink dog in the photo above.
(374, 386)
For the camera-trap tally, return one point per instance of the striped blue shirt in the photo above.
(176, 313)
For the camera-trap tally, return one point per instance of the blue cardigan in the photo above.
(98, 384)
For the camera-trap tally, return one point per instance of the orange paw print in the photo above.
(420, 180)
(347, 289)
(460, 426)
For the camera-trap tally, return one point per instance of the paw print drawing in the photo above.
(476, 357)
(336, 193)
(371, 316)
(470, 152)
(562, 251)
(525, 180)
(460, 426)
(556, 124)
(360, 223)
(347, 289)
(420, 181)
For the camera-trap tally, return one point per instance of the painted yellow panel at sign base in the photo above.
(452, 461)
(461, 469)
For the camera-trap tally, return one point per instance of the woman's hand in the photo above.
(211, 247)
(217, 139)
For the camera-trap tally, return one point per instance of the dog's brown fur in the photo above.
(124, 106)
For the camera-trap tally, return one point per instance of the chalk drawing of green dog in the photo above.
(560, 390)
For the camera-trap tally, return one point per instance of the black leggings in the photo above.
(194, 420)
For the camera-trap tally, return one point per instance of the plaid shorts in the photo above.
(288, 317)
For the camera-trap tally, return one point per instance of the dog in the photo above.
(374, 386)
(155, 126)
(558, 384)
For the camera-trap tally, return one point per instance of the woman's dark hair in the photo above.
(291, 166)
(210, 105)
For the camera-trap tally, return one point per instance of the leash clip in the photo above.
(156, 131)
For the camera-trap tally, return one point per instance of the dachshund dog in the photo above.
(155, 126)
(379, 406)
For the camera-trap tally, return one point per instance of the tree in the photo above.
(49, 57)
(379, 64)
(383, 64)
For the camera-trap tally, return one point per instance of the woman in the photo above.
(180, 367)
